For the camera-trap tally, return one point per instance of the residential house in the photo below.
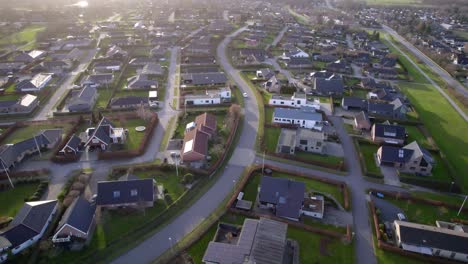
(210, 97)
(72, 147)
(298, 53)
(82, 100)
(56, 67)
(77, 224)
(139, 193)
(107, 66)
(265, 73)
(260, 241)
(258, 55)
(98, 80)
(399, 109)
(272, 85)
(204, 79)
(28, 57)
(361, 121)
(140, 61)
(284, 196)
(11, 67)
(380, 109)
(286, 142)
(197, 135)
(141, 81)
(298, 63)
(24, 105)
(339, 66)
(105, 134)
(152, 69)
(305, 117)
(411, 158)
(13, 154)
(353, 103)
(310, 140)
(28, 226)
(116, 53)
(297, 100)
(432, 240)
(198, 60)
(327, 87)
(390, 134)
(128, 102)
(37, 83)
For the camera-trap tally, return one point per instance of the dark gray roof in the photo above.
(79, 215)
(286, 194)
(74, 142)
(19, 234)
(99, 78)
(8, 103)
(34, 214)
(419, 151)
(299, 61)
(302, 114)
(141, 81)
(354, 102)
(380, 108)
(395, 154)
(120, 192)
(330, 85)
(207, 78)
(433, 237)
(152, 68)
(107, 63)
(199, 70)
(102, 131)
(390, 131)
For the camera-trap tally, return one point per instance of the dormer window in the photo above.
(116, 194)
(133, 192)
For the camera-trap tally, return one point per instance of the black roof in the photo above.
(380, 108)
(329, 85)
(354, 102)
(79, 215)
(390, 131)
(432, 237)
(74, 142)
(395, 154)
(120, 192)
(286, 194)
(19, 234)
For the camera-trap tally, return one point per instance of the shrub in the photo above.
(78, 186)
(168, 199)
(188, 178)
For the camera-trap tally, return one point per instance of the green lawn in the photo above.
(457, 200)
(320, 158)
(29, 131)
(134, 137)
(368, 151)
(426, 214)
(169, 180)
(359, 93)
(269, 114)
(445, 125)
(10, 97)
(13, 199)
(309, 248)
(10, 88)
(27, 35)
(251, 188)
(414, 134)
(271, 137)
(104, 95)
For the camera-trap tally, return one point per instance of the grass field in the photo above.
(368, 151)
(271, 137)
(134, 137)
(104, 95)
(27, 35)
(414, 134)
(445, 125)
(13, 199)
(318, 157)
(310, 248)
(169, 180)
(26, 132)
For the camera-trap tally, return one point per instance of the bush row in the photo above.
(41, 189)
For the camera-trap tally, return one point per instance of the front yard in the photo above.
(13, 199)
(29, 131)
(367, 151)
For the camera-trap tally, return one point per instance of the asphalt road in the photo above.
(444, 94)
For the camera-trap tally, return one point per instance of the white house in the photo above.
(211, 97)
(37, 83)
(305, 117)
(27, 227)
(298, 53)
(297, 100)
(314, 206)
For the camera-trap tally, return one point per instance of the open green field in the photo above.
(314, 248)
(251, 188)
(29, 131)
(271, 137)
(414, 134)
(104, 95)
(25, 36)
(368, 151)
(445, 125)
(13, 199)
(425, 213)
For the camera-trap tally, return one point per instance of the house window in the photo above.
(319, 144)
(423, 169)
(133, 192)
(274, 102)
(303, 142)
(116, 194)
(282, 103)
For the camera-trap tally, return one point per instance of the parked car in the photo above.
(401, 217)
(245, 95)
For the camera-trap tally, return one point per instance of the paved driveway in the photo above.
(388, 211)
(390, 175)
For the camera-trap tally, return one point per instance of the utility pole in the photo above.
(176, 166)
(6, 172)
(461, 207)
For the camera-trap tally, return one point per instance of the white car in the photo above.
(401, 217)
(245, 95)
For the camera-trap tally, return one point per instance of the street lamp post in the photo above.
(170, 243)
(451, 186)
